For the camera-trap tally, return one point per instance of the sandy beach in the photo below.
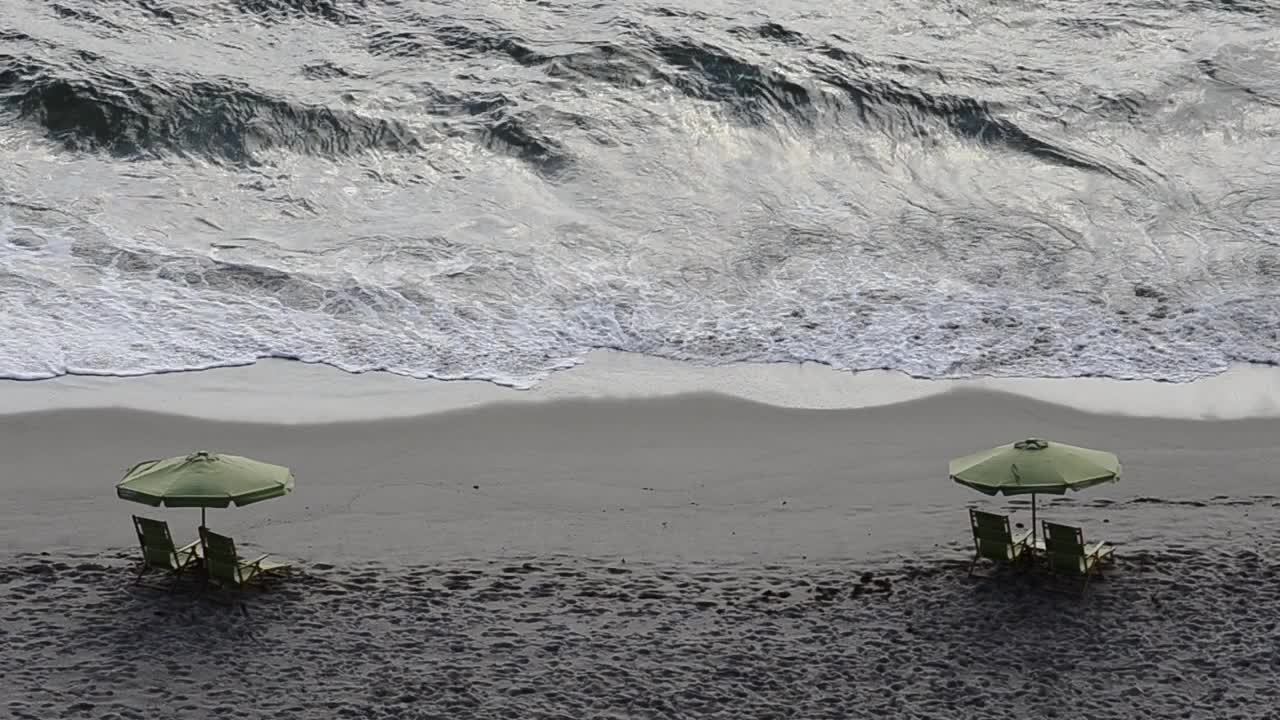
(619, 351)
(680, 555)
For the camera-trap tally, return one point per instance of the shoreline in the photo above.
(293, 392)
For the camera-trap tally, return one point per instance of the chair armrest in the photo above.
(255, 561)
(1098, 550)
(188, 547)
(1020, 538)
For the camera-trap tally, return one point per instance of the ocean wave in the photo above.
(341, 13)
(129, 112)
(133, 115)
(493, 192)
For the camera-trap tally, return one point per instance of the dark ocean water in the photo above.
(491, 189)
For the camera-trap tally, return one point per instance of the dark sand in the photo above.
(682, 557)
(1180, 633)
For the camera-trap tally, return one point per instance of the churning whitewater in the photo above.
(490, 190)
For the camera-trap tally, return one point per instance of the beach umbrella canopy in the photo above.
(204, 480)
(1034, 466)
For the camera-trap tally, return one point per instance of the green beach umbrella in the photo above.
(1032, 467)
(204, 480)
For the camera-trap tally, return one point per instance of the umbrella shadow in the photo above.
(180, 638)
(119, 631)
(200, 611)
(1032, 615)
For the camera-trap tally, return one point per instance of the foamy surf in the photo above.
(480, 198)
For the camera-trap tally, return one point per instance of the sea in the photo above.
(493, 189)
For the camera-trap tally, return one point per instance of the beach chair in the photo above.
(159, 553)
(223, 565)
(1066, 553)
(994, 541)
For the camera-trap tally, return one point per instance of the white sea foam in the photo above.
(883, 241)
(87, 305)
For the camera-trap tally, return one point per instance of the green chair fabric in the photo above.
(993, 539)
(159, 552)
(1067, 553)
(224, 565)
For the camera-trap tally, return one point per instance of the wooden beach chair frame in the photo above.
(1066, 553)
(159, 552)
(994, 540)
(224, 565)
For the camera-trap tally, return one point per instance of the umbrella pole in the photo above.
(202, 515)
(1034, 526)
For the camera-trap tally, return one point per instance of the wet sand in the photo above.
(683, 556)
(284, 391)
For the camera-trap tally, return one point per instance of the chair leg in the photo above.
(973, 564)
(233, 596)
(177, 575)
(1091, 567)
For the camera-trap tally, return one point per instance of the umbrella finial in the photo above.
(1031, 444)
(203, 455)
